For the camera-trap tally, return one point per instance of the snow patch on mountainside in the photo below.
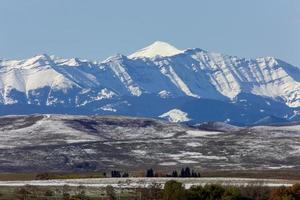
(175, 115)
(158, 48)
(164, 94)
(278, 83)
(125, 78)
(171, 74)
(73, 62)
(105, 94)
(108, 107)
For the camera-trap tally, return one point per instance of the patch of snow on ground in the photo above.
(198, 133)
(193, 144)
(282, 167)
(141, 152)
(183, 156)
(296, 149)
(37, 134)
(168, 163)
(187, 161)
(146, 182)
(289, 128)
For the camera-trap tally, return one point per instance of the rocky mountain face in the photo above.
(158, 81)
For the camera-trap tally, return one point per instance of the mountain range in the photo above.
(158, 81)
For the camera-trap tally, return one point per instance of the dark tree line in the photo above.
(174, 190)
(188, 173)
(184, 173)
(118, 174)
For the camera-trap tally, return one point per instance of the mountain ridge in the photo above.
(166, 75)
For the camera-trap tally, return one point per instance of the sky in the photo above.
(97, 29)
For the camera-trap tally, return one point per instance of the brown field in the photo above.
(288, 174)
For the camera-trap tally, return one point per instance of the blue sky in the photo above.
(96, 29)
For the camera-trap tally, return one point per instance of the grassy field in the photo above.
(52, 175)
(173, 189)
(289, 174)
(57, 193)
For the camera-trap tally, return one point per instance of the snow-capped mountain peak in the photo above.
(73, 62)
(36, 61)
(114, 58)
(158, 48)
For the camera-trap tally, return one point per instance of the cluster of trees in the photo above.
(73, 175)
(184, 173)
(174, 190)
(187, 173)
(118, 174)
(286, 193)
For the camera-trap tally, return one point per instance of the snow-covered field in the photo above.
(68, 143)
(146, 182)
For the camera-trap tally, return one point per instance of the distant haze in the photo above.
(97, 29)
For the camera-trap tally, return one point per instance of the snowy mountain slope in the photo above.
(263, 76)
(160, 72)
(29, 75)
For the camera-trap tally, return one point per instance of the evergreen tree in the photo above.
(150, 173)
(115, 173)
(182, 173)
(187, 172)
(174, 173)
(125, 174)
(194, 174)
